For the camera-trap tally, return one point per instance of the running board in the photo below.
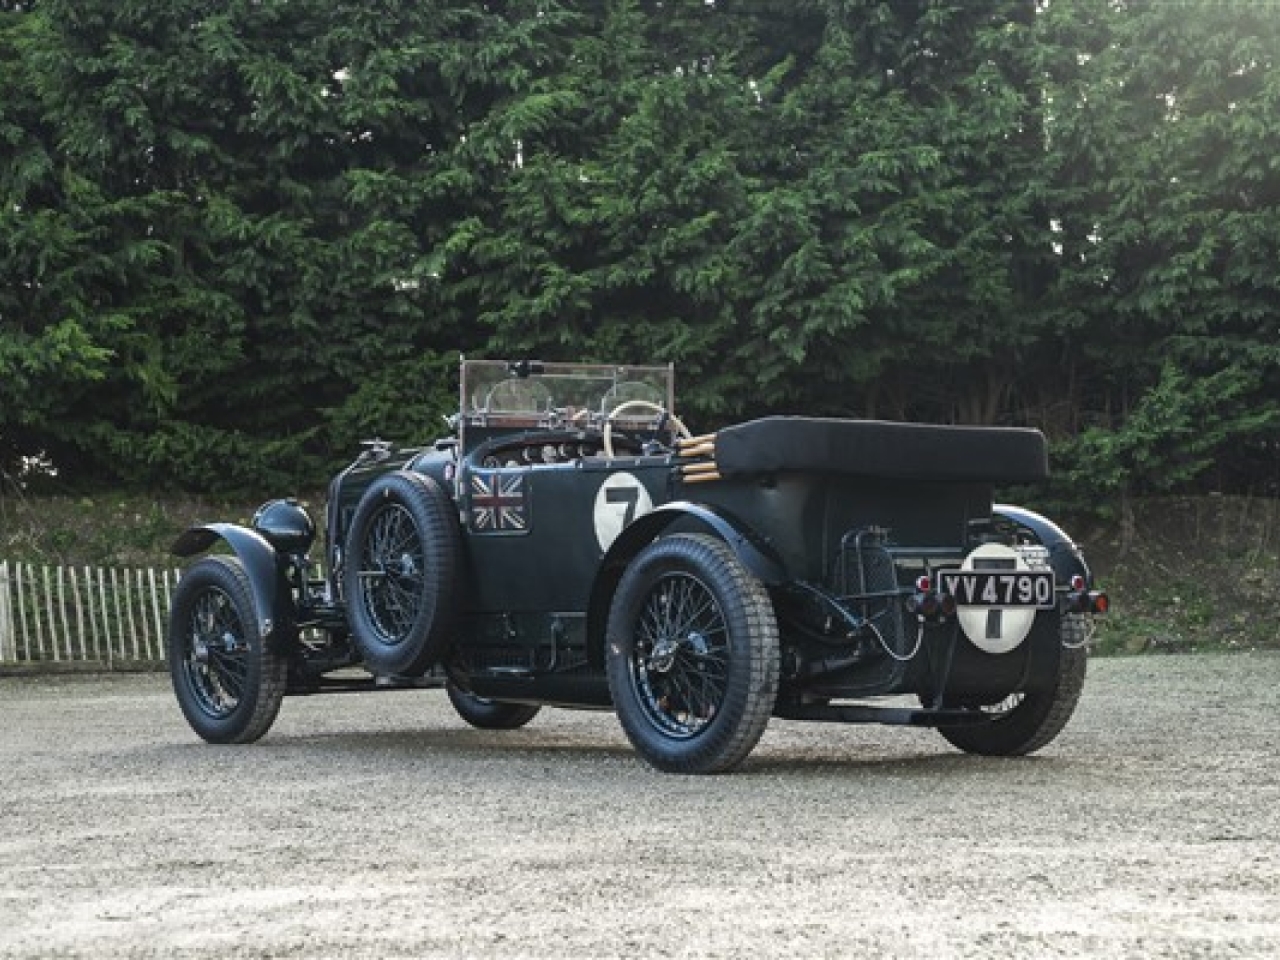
(893, 716)
(364, 684)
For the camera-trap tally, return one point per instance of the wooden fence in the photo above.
(109, 617)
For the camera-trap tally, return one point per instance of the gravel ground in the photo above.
(377, 825)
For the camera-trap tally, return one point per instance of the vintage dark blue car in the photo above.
(570, 544)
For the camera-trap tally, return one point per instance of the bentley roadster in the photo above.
(570, 543)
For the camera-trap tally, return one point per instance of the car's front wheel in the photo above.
(228, 681)
(692, 655)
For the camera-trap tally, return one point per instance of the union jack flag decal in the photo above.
(499, 503)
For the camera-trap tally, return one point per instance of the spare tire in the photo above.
(400, 575)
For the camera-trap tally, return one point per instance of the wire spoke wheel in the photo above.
(393, 573)
(228, 679)
(681, 655)
(692, 655)
(216, 660)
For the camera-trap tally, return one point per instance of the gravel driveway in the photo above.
(377, 825)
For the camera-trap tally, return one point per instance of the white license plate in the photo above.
(999, 588)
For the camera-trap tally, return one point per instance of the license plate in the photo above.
(999, 588)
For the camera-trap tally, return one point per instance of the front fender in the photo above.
(259, 558)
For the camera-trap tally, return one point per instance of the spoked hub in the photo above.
(402, 566)
(663, 656)
(216, 663)
(681, 663)
(392, 572)
(665, 651)
(208, 643)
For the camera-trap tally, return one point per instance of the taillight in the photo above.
(1083, 600)
(929, 603)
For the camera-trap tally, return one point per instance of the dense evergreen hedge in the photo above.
(237, 236)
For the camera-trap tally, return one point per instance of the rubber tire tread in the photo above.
(268, 671)
(435, 521)
(490, 714)
(754, 647)
(1033, 723)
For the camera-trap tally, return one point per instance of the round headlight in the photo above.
(286, 525)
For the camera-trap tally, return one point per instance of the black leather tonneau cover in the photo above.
(879, 448)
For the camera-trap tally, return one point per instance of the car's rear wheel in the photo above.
(489, 714)
(1025, 722)
(692, 655)
(401, 574)
(228, 681)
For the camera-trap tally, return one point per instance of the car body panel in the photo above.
(559, 477)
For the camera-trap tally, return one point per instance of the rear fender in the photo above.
(1064, 556)
(752, 552)
(260, 563)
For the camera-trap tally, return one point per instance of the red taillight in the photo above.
(927, 602)
(1083, 600)
(1088, 601)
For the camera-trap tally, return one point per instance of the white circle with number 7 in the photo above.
(620, 500)
(995, 629)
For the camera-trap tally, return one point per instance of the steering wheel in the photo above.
(628, 405)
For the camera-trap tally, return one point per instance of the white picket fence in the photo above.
(105, 616)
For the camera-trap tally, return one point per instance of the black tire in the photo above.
(401, 574)
(692, 655)
(228, 681)
(1026, 722)
(489, 714)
